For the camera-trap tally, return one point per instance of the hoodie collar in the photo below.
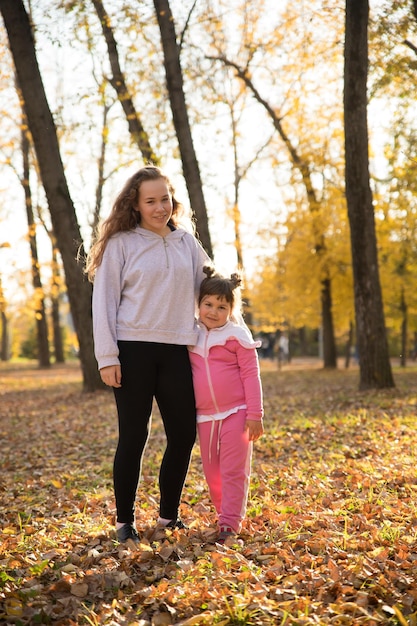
(177, 233)
(219, 336)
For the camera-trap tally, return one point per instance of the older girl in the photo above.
(147, 271)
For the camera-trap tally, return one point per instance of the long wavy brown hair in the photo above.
(124, 216)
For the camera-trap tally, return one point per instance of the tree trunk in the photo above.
(63, 216)
(100, 177)
(4, 348)
(57, 332)
(117, 81)
(303, 341)
(414, 350)
(329, 345)
(348, 349)
(40, 313)
(56, 318)
(247, 310)
(4, 338)
(374, 362)
(404, 329)
(181, 122)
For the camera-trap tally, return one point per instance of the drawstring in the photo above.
(218, 437)
(213, 421)
(211, 437)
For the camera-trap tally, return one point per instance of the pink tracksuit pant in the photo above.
(227, 466)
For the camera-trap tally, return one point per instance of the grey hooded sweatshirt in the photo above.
(146, 289)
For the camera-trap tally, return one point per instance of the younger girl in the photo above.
(228, 393)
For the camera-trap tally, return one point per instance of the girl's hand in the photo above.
(111, 375)
(255, 429)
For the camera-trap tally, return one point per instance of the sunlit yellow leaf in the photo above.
(403, 621)
(14, 607)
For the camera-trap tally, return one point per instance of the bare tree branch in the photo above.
(410, 45)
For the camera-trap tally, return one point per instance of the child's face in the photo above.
(214, 311)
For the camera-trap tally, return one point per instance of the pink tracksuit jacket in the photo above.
(228, 391)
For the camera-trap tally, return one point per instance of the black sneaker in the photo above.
(176, 524)
(126, 532)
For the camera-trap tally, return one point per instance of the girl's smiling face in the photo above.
(214, 311)
(155, 206)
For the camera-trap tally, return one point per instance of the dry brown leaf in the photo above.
(79, 589)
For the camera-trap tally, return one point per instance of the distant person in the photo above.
(228, 394)
(147, 272)
(283, 349)
(266, 346)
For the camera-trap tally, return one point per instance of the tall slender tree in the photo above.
(4, 338)
(56, 289)
(4, 343)
(58, 339)
(40, 310)
(63, 216)
(304, 166)
(118, 82)
(174, 79)
(374, 362)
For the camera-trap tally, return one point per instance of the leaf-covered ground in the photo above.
(330, 537)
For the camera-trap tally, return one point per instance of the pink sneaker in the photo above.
(225, 533)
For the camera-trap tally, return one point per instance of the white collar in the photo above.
(218, 337)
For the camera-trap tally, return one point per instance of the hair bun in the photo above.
(208, 270)
(236, 280)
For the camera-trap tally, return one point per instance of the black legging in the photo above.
(162, 371)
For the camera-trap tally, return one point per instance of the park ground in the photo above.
(330, 535)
